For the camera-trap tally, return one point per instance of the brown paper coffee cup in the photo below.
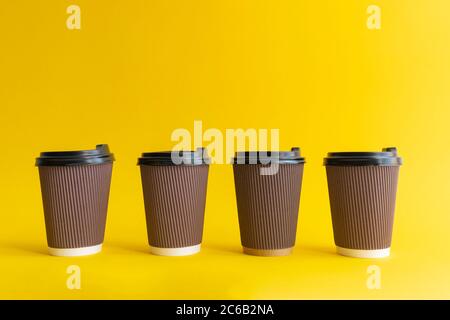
(175, 198)
(362, 188)
(75, 190)
(268, 204)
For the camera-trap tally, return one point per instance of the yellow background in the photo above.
(139, 69)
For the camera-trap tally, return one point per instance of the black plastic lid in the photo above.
(174, 158)
(386, 158)
(266, 157)
(98, 155)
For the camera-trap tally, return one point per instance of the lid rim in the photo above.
(279, 162)
(99, 155)
(165, 158)
(265, 157)
(388, 157)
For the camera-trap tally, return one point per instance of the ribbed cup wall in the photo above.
(75, 202)
(268, 205)
(362, 201)
(175, 198)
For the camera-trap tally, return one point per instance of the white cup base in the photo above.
(75, 252)
(173, 252)
(357, 253)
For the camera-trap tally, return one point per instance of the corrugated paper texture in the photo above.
(268, 205)
(175, 198)
(362, 201)
(75, 202)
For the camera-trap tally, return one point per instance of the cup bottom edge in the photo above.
(268, 252)
(361, 253)
(75, 252)
(175, 252)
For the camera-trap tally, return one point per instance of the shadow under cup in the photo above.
(75, 190)
(268, 201)
(174, 186)
(362, 188)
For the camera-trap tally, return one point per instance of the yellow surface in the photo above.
(139, 69)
